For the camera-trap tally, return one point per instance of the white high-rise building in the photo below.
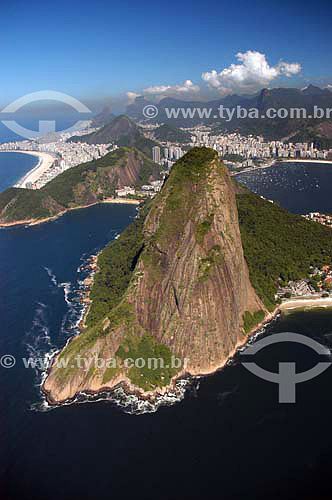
(156, 154)
(177, 153)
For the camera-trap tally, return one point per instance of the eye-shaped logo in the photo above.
(45, 126)
(287, 378)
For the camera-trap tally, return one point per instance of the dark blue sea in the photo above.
(13, 166)
(299, 187)
(228, 438)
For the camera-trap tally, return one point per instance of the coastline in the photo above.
(123, 381)
(305, 160)
(277, 160)
(305, 303)
(46, 160)
(34, 222)
(88, 284)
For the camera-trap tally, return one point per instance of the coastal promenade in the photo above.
(304, 160)
(46, 160)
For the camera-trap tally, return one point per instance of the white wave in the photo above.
(38, 342)
(66, 290)
(129, 403)
(51, 275)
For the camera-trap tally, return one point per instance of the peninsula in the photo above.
(84, 185)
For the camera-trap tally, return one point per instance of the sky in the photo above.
(99, 50)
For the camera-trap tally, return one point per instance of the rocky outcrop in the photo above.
(189, 291)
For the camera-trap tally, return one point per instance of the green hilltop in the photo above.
(168, 133)
(279, 246)
(85, 184)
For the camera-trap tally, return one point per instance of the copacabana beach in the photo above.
(44, 163)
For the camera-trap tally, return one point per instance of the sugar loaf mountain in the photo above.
(192, 276)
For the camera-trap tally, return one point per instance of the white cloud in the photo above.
(289, 69)
(187, 87)
(132, 96)
(252, 73)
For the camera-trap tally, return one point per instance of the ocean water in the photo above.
(13, 166)
(227, 438)
(31, 121)
(299, 187)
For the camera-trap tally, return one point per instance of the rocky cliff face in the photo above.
(189, 291)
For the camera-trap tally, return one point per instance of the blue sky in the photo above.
(106, 48)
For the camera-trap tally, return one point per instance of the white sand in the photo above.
(304, 160)
(45, 161)
(305, 303)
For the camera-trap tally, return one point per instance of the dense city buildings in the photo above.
(239, 152)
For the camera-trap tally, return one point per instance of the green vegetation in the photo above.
(312, 134)
(86, 175)
(279, 246)
(23, 204)
(234, 158)
(139, 142)
(252, 320)
(167, 133)
(155, 358)
(203, 228)
(189, 172)
(183, 188)
(82, 185)
(116, 263)
(109, 373)
(213, 258)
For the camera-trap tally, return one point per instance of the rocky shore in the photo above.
(123, 382)
(88, 283)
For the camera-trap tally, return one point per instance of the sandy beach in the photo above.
(304, 160)
(306, 303)
(44, 163)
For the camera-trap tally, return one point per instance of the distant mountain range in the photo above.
(317, 130)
